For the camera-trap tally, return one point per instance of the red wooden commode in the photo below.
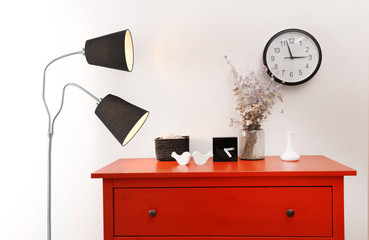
(260, 200)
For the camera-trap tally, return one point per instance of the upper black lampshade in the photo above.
(122, 118)
(112, 51)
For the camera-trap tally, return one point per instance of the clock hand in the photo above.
(298, 57)
(226, 150)
(289, 50)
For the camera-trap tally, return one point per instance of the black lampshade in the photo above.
(112, 51)
(122, 118)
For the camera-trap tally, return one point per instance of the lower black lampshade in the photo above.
(122, 118)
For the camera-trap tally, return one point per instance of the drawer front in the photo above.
(238, 211)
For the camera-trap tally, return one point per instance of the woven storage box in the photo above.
(165, 147)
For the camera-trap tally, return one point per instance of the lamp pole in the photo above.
(51, 132)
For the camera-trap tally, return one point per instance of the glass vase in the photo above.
(251, 143)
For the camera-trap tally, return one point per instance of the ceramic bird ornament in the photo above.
(182, 159)
(201, 159)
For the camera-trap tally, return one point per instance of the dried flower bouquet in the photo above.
(255, 97)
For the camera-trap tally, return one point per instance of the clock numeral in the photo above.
(272, 58)
(307, 49)
(307, 65)
(300, 42)
(283, 72)
(283, 43)
(275, 66)
(291, 40)
(300, 72)
(277, 50)
(291, 74)
(310, 57)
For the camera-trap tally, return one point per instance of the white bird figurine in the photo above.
(182, 159)
(201, 159)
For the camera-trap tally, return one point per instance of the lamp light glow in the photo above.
(128, 48)
(135, 128)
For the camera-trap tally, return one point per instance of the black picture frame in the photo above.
(219, 146)
(283, 32)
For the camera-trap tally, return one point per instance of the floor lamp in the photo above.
(122, 118)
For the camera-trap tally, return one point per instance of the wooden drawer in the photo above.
(222, 211)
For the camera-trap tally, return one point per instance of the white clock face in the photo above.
(293, 56)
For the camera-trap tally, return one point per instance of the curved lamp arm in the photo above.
(62, 101)
(44, 83)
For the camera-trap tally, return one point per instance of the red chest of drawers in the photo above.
(261, 200)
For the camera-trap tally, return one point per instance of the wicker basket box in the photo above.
(165, 147)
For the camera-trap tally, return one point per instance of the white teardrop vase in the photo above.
(290, 153)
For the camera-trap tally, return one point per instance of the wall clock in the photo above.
(292, 56)
(225, 149)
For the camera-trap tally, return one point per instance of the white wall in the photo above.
(181, 77)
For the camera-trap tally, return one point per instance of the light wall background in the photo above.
(181, 77)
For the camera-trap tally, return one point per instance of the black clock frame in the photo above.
(283, 32)
(219, 143)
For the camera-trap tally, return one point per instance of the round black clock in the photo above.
(292, 56)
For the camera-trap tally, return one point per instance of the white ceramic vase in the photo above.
(290, 153)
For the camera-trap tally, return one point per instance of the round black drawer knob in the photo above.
(290, 213)
(152, 213)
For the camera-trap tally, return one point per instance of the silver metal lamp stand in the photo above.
(51, 132)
